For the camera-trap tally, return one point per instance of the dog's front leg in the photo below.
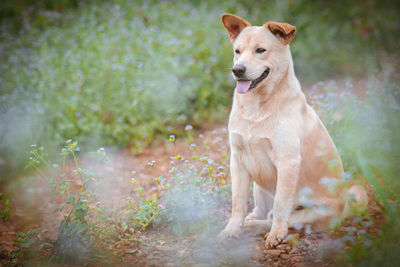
(240, 191)
(288, 175)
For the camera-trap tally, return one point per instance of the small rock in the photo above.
(181, 253)
(164, 248)
(140, 253)
(151, 258)
(275, 252)
(285, 256)
(294, 250)
(283, 247)
(307, 242)
(297, 258)
(133, 251)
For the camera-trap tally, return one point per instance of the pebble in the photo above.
(133, 251)
(296, 235)
(285, 256)
(283, 247)
(297, 258)
(151, 258)
(295, 250)
(140, 253)
(275, 252)
(181, 253)
(164, 248)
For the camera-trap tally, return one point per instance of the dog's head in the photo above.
(261, 54)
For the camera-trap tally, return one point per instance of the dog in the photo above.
(276, 139)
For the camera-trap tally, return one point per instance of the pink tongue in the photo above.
(242, 86)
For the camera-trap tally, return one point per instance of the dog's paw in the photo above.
(253, 216)
(257, 227)
(230, 232)
(275, 237)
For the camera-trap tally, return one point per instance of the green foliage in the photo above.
(118, 73)
(366, 134)
(5, 209)
(198, 188)
(189, 201)
(27, 245)
(87, 222)
(23, 12)
(73, 230)
(124, 72)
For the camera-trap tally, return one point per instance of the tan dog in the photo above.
(276, 138)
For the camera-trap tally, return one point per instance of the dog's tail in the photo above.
(356, 201)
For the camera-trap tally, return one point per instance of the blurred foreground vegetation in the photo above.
(127, 73)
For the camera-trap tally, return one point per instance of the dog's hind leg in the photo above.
(318, 213)
(263, 201)
(257, 227)
(298, 218)
(259, 220)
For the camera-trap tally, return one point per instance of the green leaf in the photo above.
(82, 228)
(85, 180)
(105, 209)
(80, 214)
(62, 205)
(70, 199)
(78, 206)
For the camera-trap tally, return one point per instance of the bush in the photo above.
(124, 72)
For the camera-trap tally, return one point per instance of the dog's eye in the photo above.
(237, 51)
(260, 50)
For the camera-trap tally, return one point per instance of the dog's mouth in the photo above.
(242, 86)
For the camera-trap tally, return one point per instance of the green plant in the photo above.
(198, 186)
(126, 224)
(27, 245)
(5, 210)
(73, 239)
(87, 222)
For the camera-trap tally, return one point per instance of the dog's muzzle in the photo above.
(259, 79)
(243, 86)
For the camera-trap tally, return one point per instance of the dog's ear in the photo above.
(283, 31)
(234, 25)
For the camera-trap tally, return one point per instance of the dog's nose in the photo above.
(239, 70)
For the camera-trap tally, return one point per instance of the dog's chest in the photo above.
(253, 153)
